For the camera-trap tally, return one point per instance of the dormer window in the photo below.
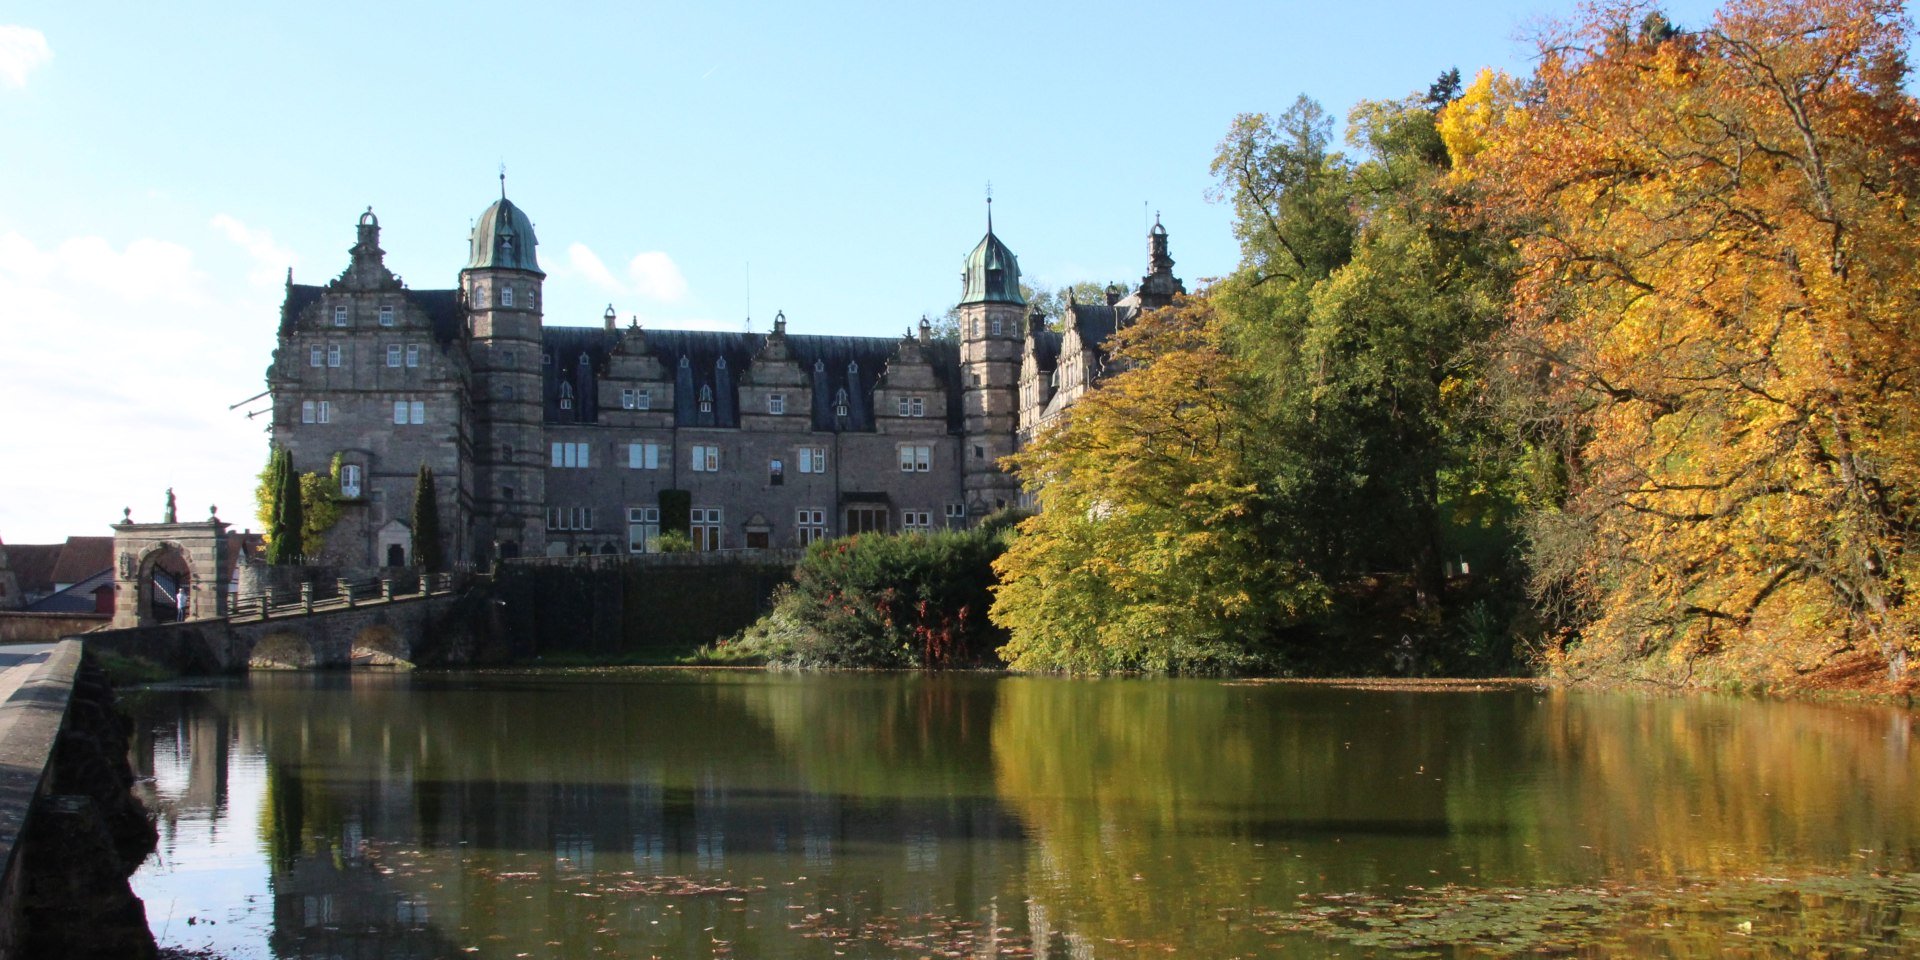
(819, 366)
(340, 315)
(566, 396)
(853, 367)
(386, 314)
(840, 403)
(720, 364)
(706, 399)
(506, 296)
(683, 362)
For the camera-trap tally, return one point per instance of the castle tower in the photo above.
(501, 283)
(1159, 286)
(991, 309)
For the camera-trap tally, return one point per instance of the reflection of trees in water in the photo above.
(1154, 805)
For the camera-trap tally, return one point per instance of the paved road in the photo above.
(15, 654)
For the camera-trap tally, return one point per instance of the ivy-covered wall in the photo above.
(629, 606)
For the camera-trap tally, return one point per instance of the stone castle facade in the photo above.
(554, 440)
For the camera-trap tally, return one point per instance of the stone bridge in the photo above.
(368, 623)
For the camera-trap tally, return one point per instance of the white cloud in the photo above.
(22, 49)
(588, 264)
(656, 277)
(271, 259)
(147, 271)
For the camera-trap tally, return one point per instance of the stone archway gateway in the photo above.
(137, 547)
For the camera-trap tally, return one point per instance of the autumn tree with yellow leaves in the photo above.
(1715, 327)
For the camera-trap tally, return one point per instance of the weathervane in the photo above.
(989, 206)
(503, 179)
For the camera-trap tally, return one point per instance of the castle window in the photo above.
(627, 399)
(572, 455)
(506, 296)
(684, 364)
(706, 399)
(333, 354)
(996, 326)
(915, 458)
(776, 472)
(643, 456)
(776, 403)
(546, 358)
(706, 458)
(316, 357)
(643, 529)
(479, 297)
(350, 481)
(307, 411)
(386, 314)
(979, 452)
(326, 411)
(853, 367)
(340, 315)
(819, 366)
(506, 391)
(810, 524)
(706, 528)
(393, 354)
(410, 411)
(413, 354)
(916, 521)
(956, 511)
(840, 403)
(720, 364)
(532, 294)
(813, 459)
(570, 518)
(506, 358)
(566, 396)
(919, 407)
(506, 494)
(644, 400)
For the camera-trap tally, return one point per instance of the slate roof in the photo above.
(442, 307)
(82, 557)
(32, 565)
(1046, 348)
(717, 360)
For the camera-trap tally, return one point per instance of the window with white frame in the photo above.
(333, 355)
(566, 396)
(706, 399)
(643, 529)
(409, 411)
(916, 520)
(706, 458)
(340, 315)
(810, 524)
(776, 403)
(570, 518)
(813, 459)
(572, 455)
(956, 511)
(705, 522)
(506, 296)
(393, 354)
(913, 406)
(996, 326)
(643, 456)
(386, 314)
(350, 480)
(326, 411)
(627, 399)
(413, 354)
(643, 400)
(316, 357)
(915, 458)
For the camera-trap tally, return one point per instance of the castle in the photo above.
(548, 440)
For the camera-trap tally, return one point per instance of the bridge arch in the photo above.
(199, 548)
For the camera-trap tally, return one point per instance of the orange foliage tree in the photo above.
(1716, 323)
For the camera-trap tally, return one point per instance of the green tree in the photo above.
(291, 523)
(426, 522)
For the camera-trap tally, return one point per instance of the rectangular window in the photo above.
(418, 411)
(340, 315)
(813, 459)
(919, 407)
(572, 455)
(333, 354)
(956, 511)
(903, 406)
(706, 458)
(643, 529)
(776, 403)
(506, 296)
(916, 458)
(996, 326)
(644, 400)
(866, 520)
(413, 354)
(643, 456)
(386, 314)
(627, 399)
(308, 410)
(326, 411)
(810, 525)
(399, 411)
(916, 520)
(776, 472)
(393, 354)
(350, 480)
(706, 528)
(316, 357)
(570, 518)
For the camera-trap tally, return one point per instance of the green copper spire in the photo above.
(993, 272)
(503, 239)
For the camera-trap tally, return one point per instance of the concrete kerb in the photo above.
(30, 724)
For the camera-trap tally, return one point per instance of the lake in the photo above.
(697, 814)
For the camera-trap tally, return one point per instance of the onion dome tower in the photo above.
(991, 311)
(502, 285)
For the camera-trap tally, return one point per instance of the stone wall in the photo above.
(18, 627)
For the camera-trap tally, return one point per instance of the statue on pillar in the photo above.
(171, 515)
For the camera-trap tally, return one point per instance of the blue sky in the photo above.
(162, 165)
